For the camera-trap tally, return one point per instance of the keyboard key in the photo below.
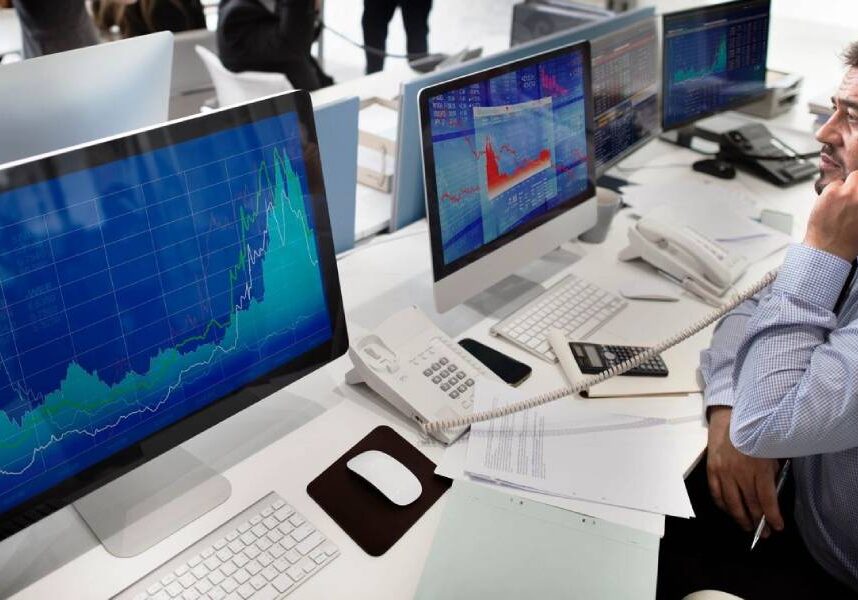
(240, 560)
(216, 594)
(311, 542)
(276, 550)
(246, 591)
(241, 576)
(174, 589)
(256, 520)
(229, 585)
(220, 543)
(270, 573)
(302, 532)
(292, 556)
(252, 552)
(253, 567)
(211, 563)
(200, 571)
(203, 586)
(283, 513)
(258, 582)
(443, 361)
(265, 559)
(190, 594)
(187, 580)
(153, 589)
(281, 564)
(296, 520)
(228, 568)
(296, 573)
(207, 552)
(308, 565)
(282, 583)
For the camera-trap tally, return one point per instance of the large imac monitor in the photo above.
(153, 285)
(714, 59)
(409, 203)
(61, 100)
(507, 156)
(625, 91)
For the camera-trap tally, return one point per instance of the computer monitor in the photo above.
(507, 157)
(153, 285)
(625, 92)
(74, 97)
(714, 59)
(409, 203)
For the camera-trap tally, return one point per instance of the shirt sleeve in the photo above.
(796, 371)
(716, 362)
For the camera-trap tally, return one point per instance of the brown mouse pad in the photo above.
(371, 520)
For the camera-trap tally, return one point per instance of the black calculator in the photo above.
(595, 358)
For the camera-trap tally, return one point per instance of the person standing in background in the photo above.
(376, 18)
(139, 17)
(49, 26)
(273, 36)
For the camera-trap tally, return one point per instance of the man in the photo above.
(55, 26)
(376, 18)
(271, 35)
(782, 381)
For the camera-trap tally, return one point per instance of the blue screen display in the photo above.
(714, 58)
(139, 291)
(508, 149)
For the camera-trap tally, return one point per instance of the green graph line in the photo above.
(133, 383)
(719, 65)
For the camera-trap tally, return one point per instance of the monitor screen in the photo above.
(714, 59)
(505, 150)
(148, 279)
(625, 91)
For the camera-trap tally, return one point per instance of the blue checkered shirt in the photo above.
(789, 368)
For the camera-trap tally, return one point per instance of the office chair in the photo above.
(234, 88)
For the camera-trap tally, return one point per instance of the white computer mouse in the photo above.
(387, 475)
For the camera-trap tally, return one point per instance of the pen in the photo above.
(781, 478)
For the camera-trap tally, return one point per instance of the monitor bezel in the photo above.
(664, 79)
(54, 165)
(653, 133)
(441, 270)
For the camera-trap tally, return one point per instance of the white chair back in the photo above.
(235, 88)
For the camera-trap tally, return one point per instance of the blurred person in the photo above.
(376, 18)
(139, 17)
(49, 26)
(273, 36)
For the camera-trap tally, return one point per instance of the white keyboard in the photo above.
(263, 553)
(572, 305)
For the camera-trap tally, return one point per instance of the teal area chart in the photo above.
(140, 291)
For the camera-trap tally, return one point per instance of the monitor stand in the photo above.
(516, 290)
(136, 511)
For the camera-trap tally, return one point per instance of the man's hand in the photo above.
(740, 485)
(833, 224)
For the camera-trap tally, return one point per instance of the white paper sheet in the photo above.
(688, 195)
(453, 465)
(577, 452)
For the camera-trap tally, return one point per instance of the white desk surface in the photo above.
(258, 450)
(284, 441)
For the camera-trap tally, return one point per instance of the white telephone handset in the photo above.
(418, 369)
(698, 263)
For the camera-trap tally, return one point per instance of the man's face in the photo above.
(839, 135)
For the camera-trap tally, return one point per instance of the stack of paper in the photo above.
(717, 212)
(576, 452)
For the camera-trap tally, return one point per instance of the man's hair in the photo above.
(850, 55)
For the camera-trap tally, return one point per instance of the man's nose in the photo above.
(829, 132)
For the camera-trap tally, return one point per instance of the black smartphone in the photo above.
(510, 370)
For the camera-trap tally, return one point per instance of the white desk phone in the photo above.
(699, 264)
(417, 367)
(427, 376)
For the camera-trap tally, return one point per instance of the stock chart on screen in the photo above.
(508, 149)
(625, 91)
(141, 290)
(714, 58)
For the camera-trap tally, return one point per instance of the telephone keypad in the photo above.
(443, 361)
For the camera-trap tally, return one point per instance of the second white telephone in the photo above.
(698, 263)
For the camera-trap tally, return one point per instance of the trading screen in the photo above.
(714, 59)
(139, 291)
(508, 149)
(625, 91)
